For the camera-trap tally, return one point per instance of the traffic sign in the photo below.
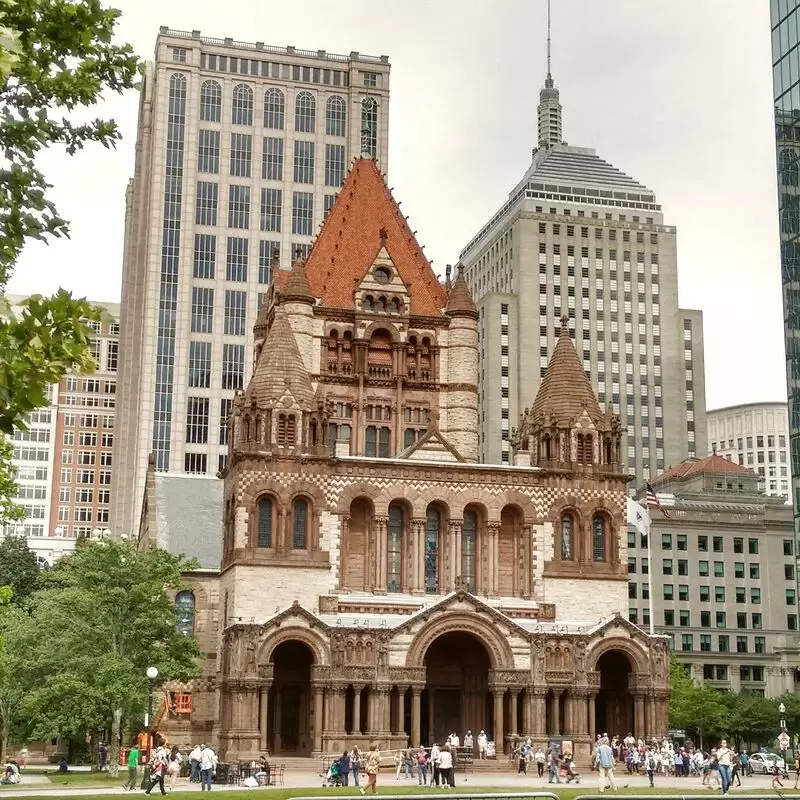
(783, 740)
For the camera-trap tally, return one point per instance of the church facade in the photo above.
(376, 583)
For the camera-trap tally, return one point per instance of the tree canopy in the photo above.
(100, 618)
(57, 57)
(19, 569)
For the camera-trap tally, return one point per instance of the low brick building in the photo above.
(375, 583)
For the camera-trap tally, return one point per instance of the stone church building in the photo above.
(376, 583)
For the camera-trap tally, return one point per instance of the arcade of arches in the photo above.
(303, 707)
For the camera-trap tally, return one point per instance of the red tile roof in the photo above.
(459, 301)
(712, 463)
(351, 237)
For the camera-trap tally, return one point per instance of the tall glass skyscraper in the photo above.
(785, 17)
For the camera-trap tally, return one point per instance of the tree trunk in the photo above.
(113, 749)
(4, 739)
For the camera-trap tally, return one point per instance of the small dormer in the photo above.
(381, 290)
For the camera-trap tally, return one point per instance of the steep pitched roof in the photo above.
(351, 236)
(296, 287)
(565, 391)
(460, 302)
(712, 463)
(280, 367)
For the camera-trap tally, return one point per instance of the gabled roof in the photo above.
(565, 391)
(712, 463)
(280, 367)
(351, 236)
(296, 287)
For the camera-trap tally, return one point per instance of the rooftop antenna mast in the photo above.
(548, 38)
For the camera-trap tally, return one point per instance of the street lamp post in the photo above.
(152, 674)
(783, 738)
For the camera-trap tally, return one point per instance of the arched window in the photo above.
(287, 430)
(210, 101)
(469, 545)
(584, 448)
(300, 524)
(335, 116)
(394, 550)
(305, 112)
(184, 608)
(599, 538)
(274, 109)
(242, 107)
(265, 522)
(433, 524)
(787, 167)
(566, 538)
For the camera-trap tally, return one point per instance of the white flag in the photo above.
(638, 517)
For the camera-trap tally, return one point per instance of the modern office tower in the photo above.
(64, 460)
(579, 238)
(240, 152)
(723, 575)
(755, 435)
(786, 90)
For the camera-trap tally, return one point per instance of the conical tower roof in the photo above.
(280, 367)
(460, 302)
(297, 288)
(566, 392)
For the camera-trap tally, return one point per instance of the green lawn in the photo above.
(563, 794)
(84, 778)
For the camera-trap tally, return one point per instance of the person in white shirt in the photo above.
(724, 765)
(468, 741)
(446, 767)
(435, 764)
(483, 744)
(454, 740)
(194, 764)
(208, 764)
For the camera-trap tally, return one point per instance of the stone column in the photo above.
(401, 711)
(592, 714)
(338, 704)
(263, 723)
(640, 725)
(527, 726)
(568, 713)
(277, 719)
(539, 712)
(580, 719)
(512, 722)
(493, 529)
(650, 720)
(381, 524)
(454, 546)
(499, 740)
(379, 697)
(416, 715)
(555, 714)
(357, 709)
(343, 540)
(527, 573)
(319, 696)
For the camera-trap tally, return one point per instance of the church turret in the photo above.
(566, 428)
(461, 400)
(298, 302)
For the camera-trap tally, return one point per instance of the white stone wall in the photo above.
(461, 424)
(585, 602)
(301, 319)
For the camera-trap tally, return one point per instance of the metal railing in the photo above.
(490, 796)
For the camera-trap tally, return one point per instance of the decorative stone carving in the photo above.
(508, 677)
(547, 611)
(559, 677)
(407, 675)
(328, 604)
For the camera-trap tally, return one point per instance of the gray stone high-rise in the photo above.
(240, 153)
(579, 238)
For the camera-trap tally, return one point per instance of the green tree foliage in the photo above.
(752, 718)
(696, 707)
(101, 617)
(18, 568)
(12, 720)
(56, 59)
(10, 511)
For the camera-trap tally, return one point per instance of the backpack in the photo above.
(651, 763)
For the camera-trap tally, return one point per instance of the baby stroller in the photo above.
(571, 771)
(333, 777)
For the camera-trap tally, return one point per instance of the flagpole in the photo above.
(650, 574)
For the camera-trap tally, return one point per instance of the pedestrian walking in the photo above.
(422, 765)
(650, 766)
(724, 765)
(174, 766)
(158, 768)
(540, 758)
(446, 767)
(605, 765)
(344, 767)
(355, 764)
(373, 766)
(133, 766)
(194, 764)
(208, 765)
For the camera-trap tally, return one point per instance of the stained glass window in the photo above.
(184, 607)
(469, 540)
(432, 552)
(394, 547)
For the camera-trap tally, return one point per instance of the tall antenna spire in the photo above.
(549, 105)
(548, 38)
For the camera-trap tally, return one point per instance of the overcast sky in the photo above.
(677, 93)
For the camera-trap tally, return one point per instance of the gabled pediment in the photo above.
(462, 602)
(297, 615)
(432, 446)
(382, 289)
(622, 626)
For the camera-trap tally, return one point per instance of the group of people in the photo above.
(354, 762)
(166, 763)
(434, 766)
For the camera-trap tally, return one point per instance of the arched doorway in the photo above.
(456, 696)
(614, 709)
(290, 702)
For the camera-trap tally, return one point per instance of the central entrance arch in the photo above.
(290, 699)
(456, 696)
(614, 713)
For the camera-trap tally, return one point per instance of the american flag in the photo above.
(654, 502)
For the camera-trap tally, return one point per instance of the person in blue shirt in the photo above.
(604, 758)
